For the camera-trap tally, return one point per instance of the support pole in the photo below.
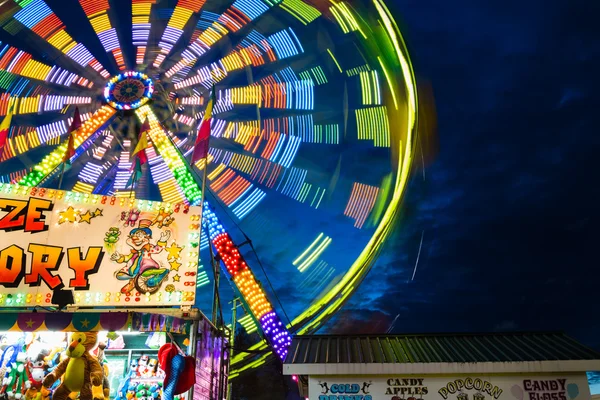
(232, 340)
(61, 175)
(215, 305)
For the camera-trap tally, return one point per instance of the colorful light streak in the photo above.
(97, 13)
(373, 124)
(181, 15)
(170, 155)
(361, 202)
(302, 11)
(21, 63)
(37, 16)
(53, 160)
(40, 103)
(24, 139)
(236, 17)
(312, 252)
(371, 92)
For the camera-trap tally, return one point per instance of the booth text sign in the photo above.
(109, 251)
(568, 387)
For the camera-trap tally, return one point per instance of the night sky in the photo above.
(508, 209)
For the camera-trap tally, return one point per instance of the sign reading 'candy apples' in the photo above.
(109, 251)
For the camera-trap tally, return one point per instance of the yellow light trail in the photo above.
(319, 250)
(308, 249)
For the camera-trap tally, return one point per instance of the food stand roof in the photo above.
(438, 353)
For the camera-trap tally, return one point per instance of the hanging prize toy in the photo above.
(179, 370)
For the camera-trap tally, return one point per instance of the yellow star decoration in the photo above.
(87, 217)
(175, 265)
(66, 216)
(29, 323)
(98, 212)
(176, 278)
(85, 323)
(174, 251)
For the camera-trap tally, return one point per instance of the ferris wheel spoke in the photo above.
(98, 14)
(244, 279)
(174, 29)
(172, 157)
(48, 166)
(42, 21)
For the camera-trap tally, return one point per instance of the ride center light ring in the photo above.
(129, 90)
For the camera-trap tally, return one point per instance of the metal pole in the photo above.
(61, 175)
(232, 340)
(215, 307)
(192, 352)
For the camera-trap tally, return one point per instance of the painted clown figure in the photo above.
(143, 272)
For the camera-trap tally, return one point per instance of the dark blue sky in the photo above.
(509, 208)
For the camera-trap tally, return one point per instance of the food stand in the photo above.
(487, 366)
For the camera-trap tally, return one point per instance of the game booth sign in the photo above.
(109, 251)
(101, 258)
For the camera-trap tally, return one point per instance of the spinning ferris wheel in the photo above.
(312, 129)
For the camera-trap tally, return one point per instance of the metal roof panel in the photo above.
(436, 348)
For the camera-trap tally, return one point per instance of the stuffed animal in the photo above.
(15, 381)
(143, 365)
(9, 356)
(36, 370)
(82, 371)
(150, 370)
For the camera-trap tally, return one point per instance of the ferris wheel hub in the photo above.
(128, 90)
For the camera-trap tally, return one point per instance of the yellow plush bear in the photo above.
(82, 372)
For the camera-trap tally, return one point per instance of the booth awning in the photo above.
(82, 322)
(438, 353)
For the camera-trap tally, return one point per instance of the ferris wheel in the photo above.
(312, 130)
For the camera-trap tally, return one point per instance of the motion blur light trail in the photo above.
(312, 131)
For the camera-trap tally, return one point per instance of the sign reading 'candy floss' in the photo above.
(109, 251)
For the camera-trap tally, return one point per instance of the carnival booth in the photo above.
(494, 366)
(125, 345)
(96, 300)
